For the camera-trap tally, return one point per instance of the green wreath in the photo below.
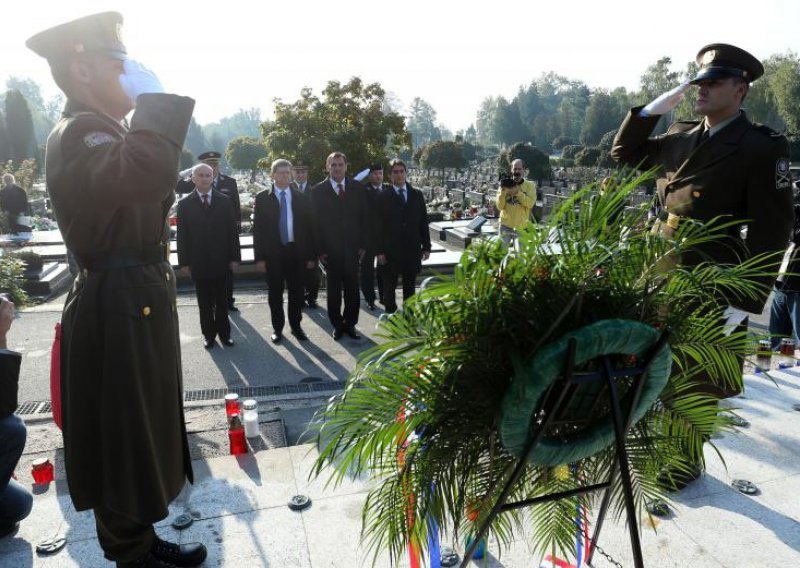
(522, 400)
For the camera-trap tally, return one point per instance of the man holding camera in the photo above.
(515, 201)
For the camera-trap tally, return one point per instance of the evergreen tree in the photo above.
(19, 127)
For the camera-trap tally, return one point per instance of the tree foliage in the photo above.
(570, 151)
(244, 122)
(422, 123)
(348, 117)
(19, 127)
(443, 154)
(244, 152)
(588, 156)
(195, 139)
(537, 162)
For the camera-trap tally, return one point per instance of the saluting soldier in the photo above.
(111, 185)
(722, 165)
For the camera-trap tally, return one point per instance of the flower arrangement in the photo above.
(420, 412)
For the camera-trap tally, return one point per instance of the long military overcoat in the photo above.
(111, 187)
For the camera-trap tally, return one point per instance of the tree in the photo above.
(244, 122)
(19, 126)
(570, 151)
(4, 149)
(484, 123)
(601, 116)
(195, 139)
(561, 141)
(537, 162)
(348, 118)
(508, 126)
(422, 123)
(588, 157)
(443, 154)
(607, 140)
(244, 152)
(187, 159)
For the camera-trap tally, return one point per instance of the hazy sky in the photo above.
(242, 54)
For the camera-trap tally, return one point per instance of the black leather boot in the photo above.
(183, 555)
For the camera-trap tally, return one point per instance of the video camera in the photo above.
(507, 180)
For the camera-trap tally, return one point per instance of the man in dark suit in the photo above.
(13, 203)
(283, 246)
(404, 239)
(111, 186)
(311, 276)
(339, 206)
(370, 275)
(208, 246)
(15, 500)
(228, 187)
(722, 165)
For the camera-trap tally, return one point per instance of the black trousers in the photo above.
(212, 298)
(343, 281)
(312, 278)
(287, 271)
(229, 288)
(122, 539)
(390, 276)
(371, 275)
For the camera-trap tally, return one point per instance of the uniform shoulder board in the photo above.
(764, 129)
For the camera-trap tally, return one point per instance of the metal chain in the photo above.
(607, 556)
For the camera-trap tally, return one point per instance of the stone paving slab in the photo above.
(238, 504)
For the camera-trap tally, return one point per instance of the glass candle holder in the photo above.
(42, 471)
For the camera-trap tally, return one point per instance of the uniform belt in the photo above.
(670, 219)
(151, 254)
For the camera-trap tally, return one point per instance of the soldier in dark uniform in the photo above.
(723, 165)
(312, 276)
(125, 447)
(371, 274)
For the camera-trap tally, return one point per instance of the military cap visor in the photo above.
(209, 157)
(376, 167)
(722, 60)
(98, 33)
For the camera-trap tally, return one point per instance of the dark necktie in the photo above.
(403, 194)
(283, 224)
(206, 204)
(704, 136)
(341, 191)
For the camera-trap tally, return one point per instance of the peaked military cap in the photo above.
(98, 33)
(209, 157)
(723, 60)
(376, 167)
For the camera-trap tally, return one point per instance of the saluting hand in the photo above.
(666, 102)
(138, 80)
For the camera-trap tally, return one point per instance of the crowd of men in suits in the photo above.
(359, 234)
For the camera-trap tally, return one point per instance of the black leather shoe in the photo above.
(233, 308)
(276, 337)
(209, 343)
(149, 561)
(351, 331)
(371, 306)
(312, 303)
(227, 342)
(6, 530)
(299, 333)
(674, 479)
(191, 554)
(338, 333)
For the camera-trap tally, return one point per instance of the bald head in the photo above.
(203, 176)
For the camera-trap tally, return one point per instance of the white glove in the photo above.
(733, 317)
(666, 102)
(138, 79)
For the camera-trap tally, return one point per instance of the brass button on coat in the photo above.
(146, 311)
(695, 194)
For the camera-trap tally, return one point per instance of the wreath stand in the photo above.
(558, 398)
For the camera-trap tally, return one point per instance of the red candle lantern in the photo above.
(42, 471)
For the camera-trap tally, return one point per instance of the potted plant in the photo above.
(422, 412)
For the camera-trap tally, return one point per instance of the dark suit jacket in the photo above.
(736, 173)
(9, 382)
(372, 224)
(207, 238)
(226, 185)
(339, 225)
(266, 219)
(403, 229)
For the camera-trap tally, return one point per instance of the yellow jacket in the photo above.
(515, 215)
